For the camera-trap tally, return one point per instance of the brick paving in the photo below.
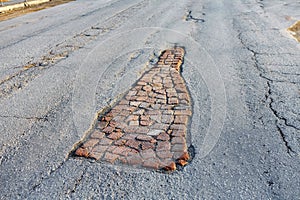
(148, 126)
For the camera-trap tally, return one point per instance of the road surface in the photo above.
(60, 66)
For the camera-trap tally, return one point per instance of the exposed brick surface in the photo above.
(147, 127)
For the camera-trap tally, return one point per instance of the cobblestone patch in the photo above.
(148, 126)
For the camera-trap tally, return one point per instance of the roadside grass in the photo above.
(29, 9)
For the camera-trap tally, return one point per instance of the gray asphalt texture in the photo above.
(61, 65)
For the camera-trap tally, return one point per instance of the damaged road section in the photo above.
(148, 126)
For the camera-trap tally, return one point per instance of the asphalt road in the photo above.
(61, 65)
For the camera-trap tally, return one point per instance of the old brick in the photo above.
(163, 146)
(146, 138)
(147, 145)
(178, 133)
(108, 129)
(173, 100)
(178, 140)
(183, 112)
(148, 153)
(105, 141)
(152, 163)
(163, 136)
(133, 144)
(115, 135)
(135, 160)
(164, 154)
(179, 147)
(97, 134)
(99, 148)
(110, 157)
(90, 143)
(181, 119)
(83, 152)
(96, 155)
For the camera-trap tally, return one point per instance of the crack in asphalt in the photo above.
(268, 98)
(29, 118)
(189, 17)
(61, 51)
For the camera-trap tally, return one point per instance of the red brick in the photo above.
(183, 112)
(96, 155)
(163, 136)
(178, 140)
(178, 133)
(170, 166)
(97, 134)
(178, 127)
(135, 160)
(181, 119)
(83, 152)
(90, 143)
(148, 153)
(142, 130)
(164, 154)
(102, 124)
(152, 163)
(167, 119)
(120, 142)
(146, 123)
(163, 146)
(146, 138)
(115, 135)
(105, 141)
(133, 144)
(179, 147)
(108, 129)
(173, 101)
(99, 149)
(147, 145)
(147, 88)
(111, 158)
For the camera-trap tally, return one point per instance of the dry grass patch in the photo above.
(295, 30)
(22, 11)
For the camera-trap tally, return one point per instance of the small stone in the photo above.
(178, 140)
